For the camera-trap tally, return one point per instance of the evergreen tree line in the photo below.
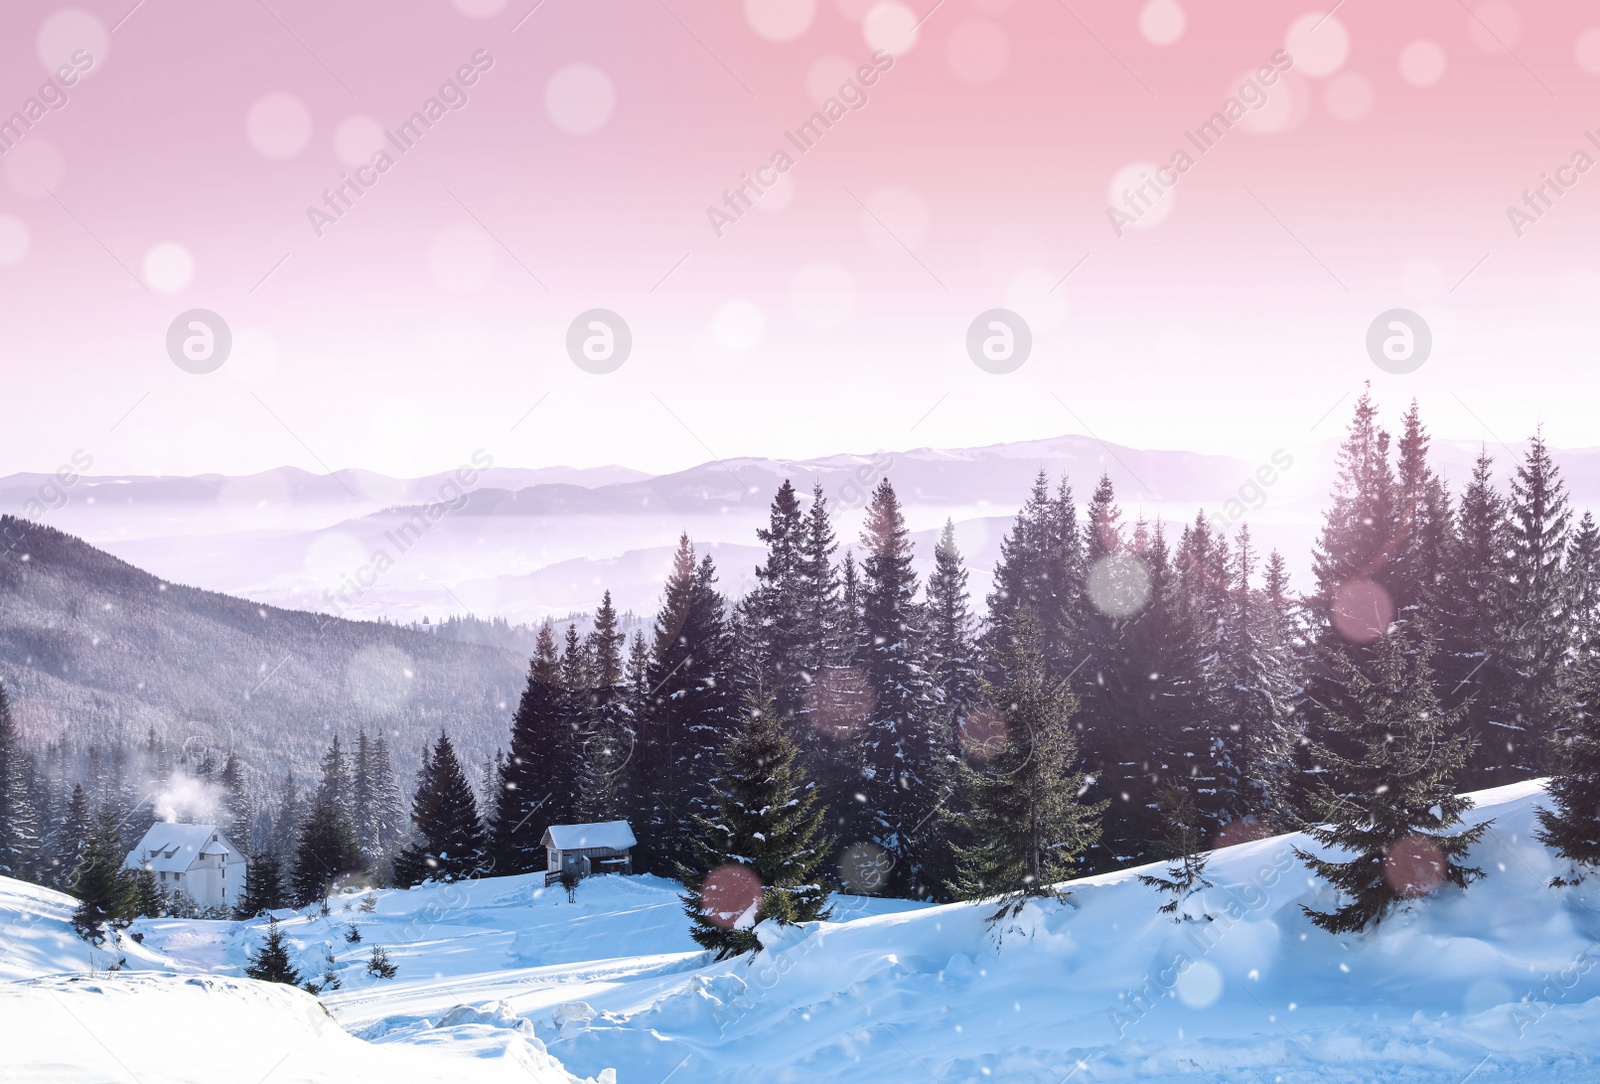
(1127, 693)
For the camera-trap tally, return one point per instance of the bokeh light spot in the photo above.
(278, 126)
(1362, 611)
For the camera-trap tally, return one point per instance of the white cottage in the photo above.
(605, 847)
(193, 858)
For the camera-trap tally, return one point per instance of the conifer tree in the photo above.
(19, 823)
(689, 713)
(1383, 793)
(1473, 664)
(607, 736)
(237, 810)
(541, 770)
(379, 966)
(575, 669)
(951, 646)
(1583, 584)
(1127, 722)
(1424, 521)
(776, 610)
(106, 894)
(327, 848)
(1538, 626)
(1256, 694)
(822, 631)
(1041, 570)
(1030, 824)
(148, 901)
(1207, 744)
(1572, 824)
(757, 857)
(71, 837)
(287, 819)
(388, 818)
(1183, 840)
(908, 760)
(449, 843)
(363, 807)
(1360, 533)
(852, 624)
(604, 646)
(270, 962)
(1279, 742)
(637, 672)
(263, 886)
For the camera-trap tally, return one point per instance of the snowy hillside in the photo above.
(1496, 982)
(159, 1019)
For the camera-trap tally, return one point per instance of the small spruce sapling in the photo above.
(379, 966)
(270, 963)
(1182, 833)
(352, 934)
(328, 980)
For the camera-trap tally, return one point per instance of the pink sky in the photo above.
(413, 330)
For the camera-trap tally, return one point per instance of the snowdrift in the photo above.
(167, 1028)
(37, 938)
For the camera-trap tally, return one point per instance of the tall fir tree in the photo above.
(1473, 664)
(952, 646)
(1030, 824)
(907, 761)
(538, 788)
(1425, 523)
(1538, 625)
(775, 612)
(363, 807)
(263, 886)
(19, 822)
(758, 856)
(1256, 695)
(822, 629)
(608, 730)
(689, 711)
(71, 837)
(1583, 585)
(1382, 793)
(289, 814)
(852, 623)
(1041, 571)
(449, 842)
(327, 849)
(106, 893)
(1126, 720)
(238, 811)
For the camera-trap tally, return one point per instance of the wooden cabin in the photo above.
(586, 849)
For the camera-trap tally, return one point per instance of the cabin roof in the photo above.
(607, 835)
(173, 848)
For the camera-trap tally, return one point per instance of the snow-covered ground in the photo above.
(1496, 983)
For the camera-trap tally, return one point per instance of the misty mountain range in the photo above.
(528, 543)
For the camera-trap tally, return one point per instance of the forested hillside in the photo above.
(97, 653)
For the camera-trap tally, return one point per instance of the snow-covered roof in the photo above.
(173, 848)
(612, 835)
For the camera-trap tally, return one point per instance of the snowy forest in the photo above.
(1123, 692)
